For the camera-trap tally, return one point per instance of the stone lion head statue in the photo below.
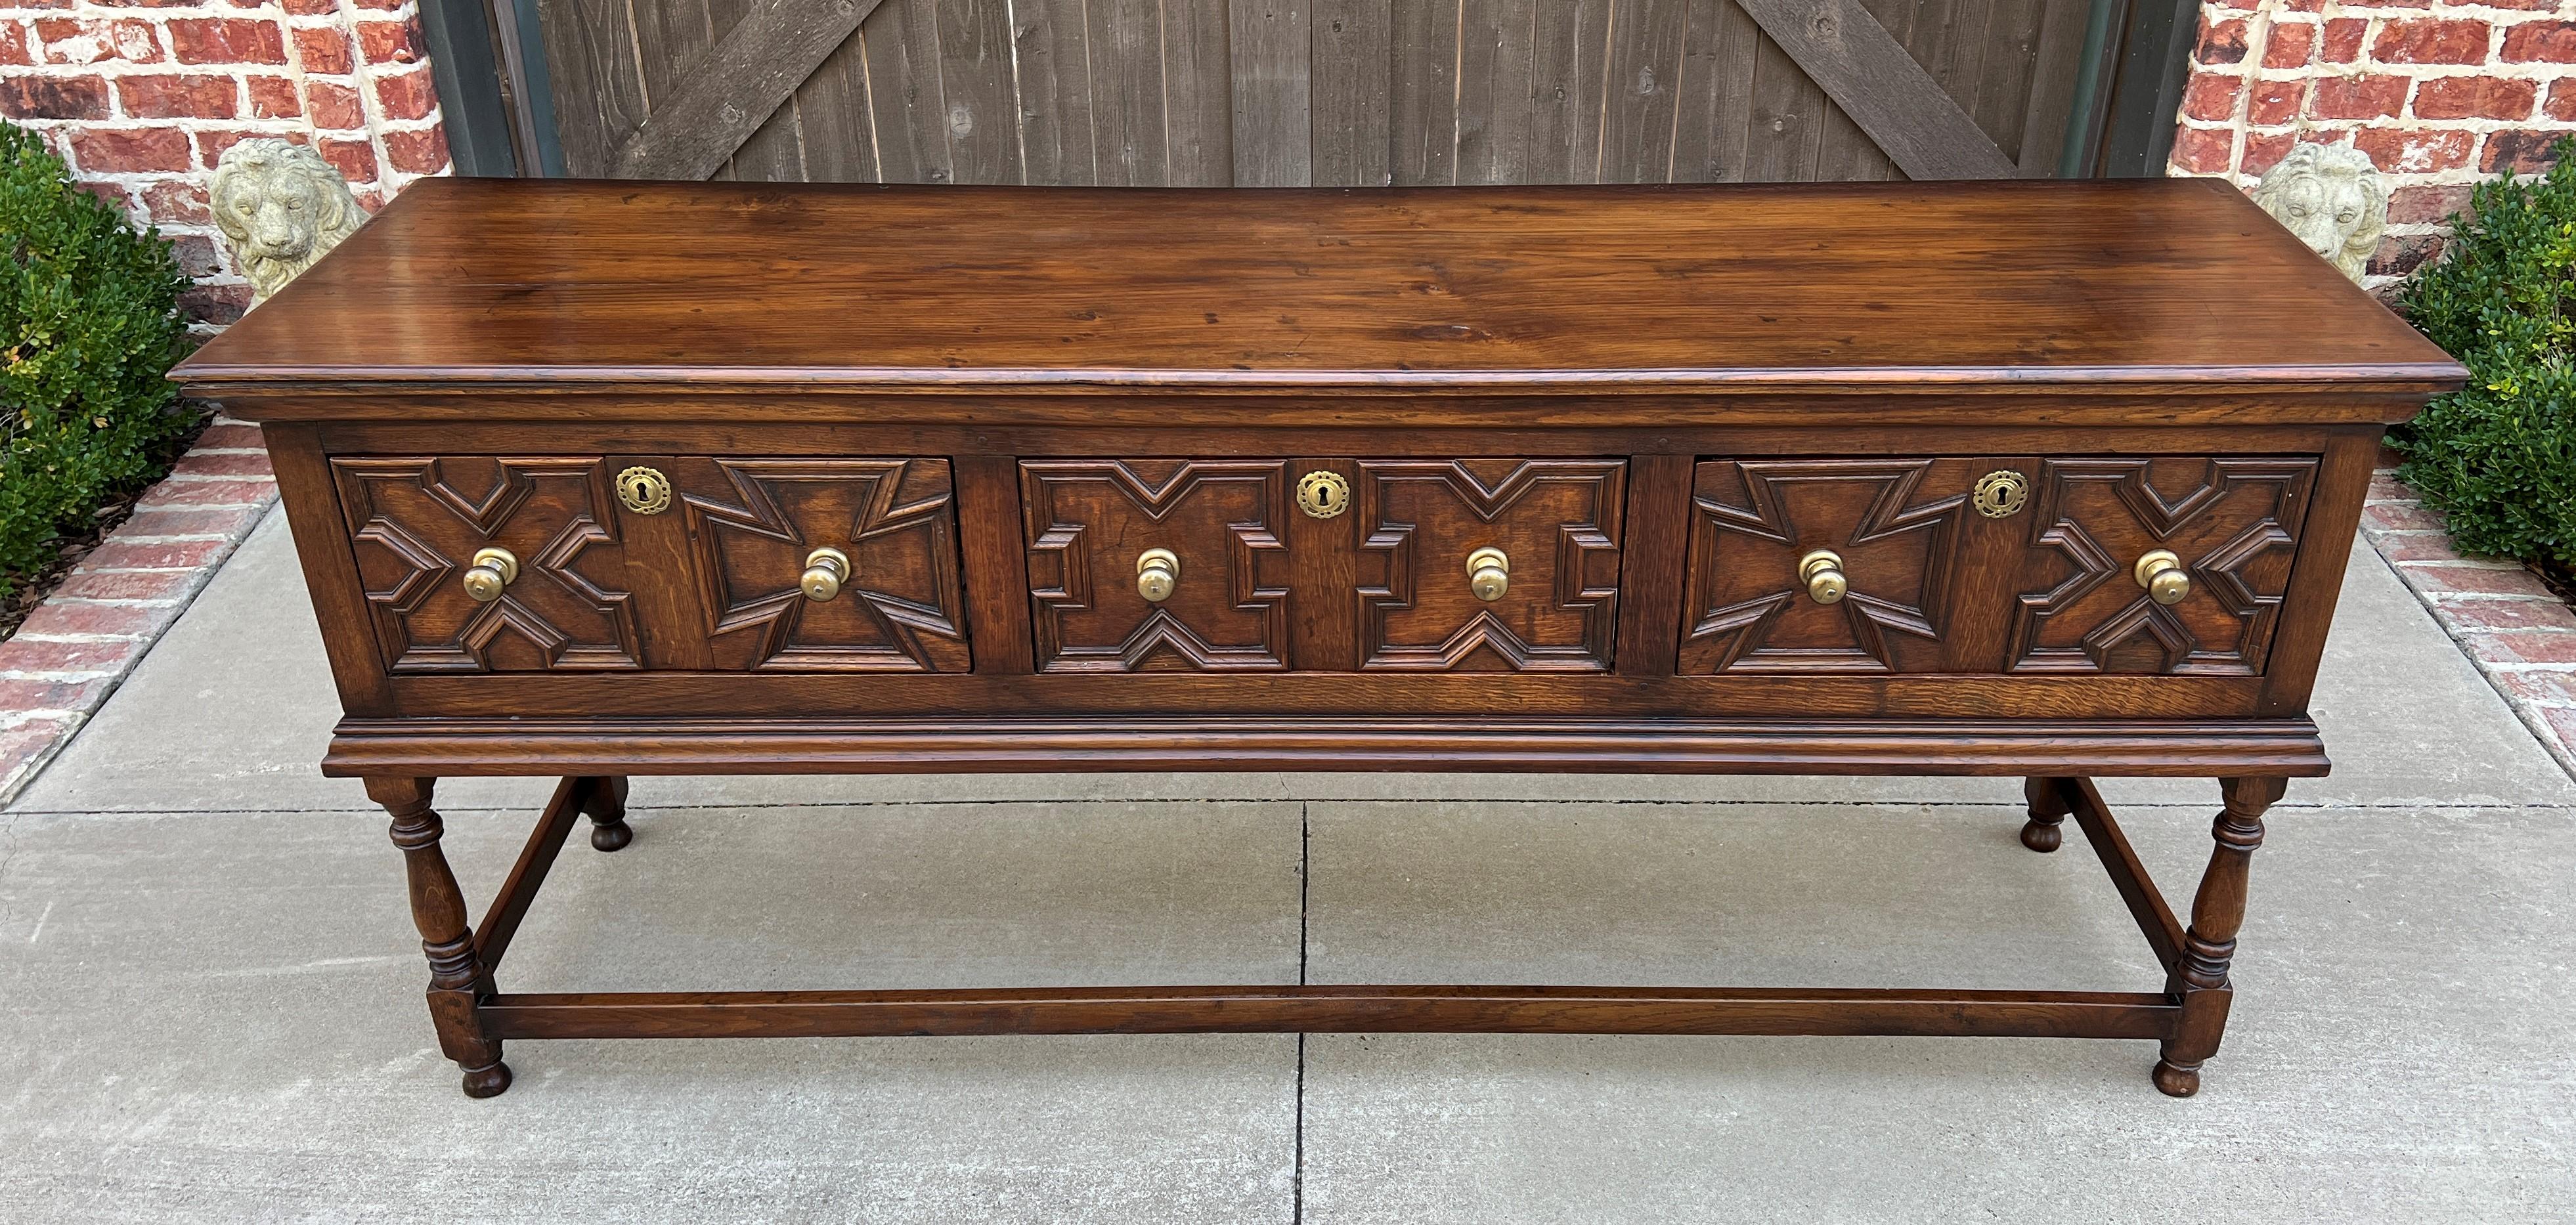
(2332, 198)
(281, 207)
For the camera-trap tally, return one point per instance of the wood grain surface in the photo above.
(2078, 285)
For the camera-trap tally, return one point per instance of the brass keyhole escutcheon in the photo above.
(2000, 493)
(1323, 495)
(644, 490)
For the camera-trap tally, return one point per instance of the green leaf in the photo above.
(89, 327)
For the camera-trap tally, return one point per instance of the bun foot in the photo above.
(2048, 807)
(487, 1082)
(2177, 1081)
(605, 804)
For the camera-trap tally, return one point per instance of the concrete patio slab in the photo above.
(219, 1018)
(2401, 1046)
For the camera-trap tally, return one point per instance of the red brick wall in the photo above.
(2439, 94)
(141, 97)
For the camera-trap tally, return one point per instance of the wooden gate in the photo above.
(1321, 92)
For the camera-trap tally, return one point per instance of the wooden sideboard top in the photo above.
(2164, 286)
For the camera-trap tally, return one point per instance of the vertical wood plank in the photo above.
(1423, 82)
(1653, 555)
(1529, 90)
(1486, 38)
(774, 152)
(1323, 596)
(1054, 92)
(598, 87)
(1978, 635)
(1714, 97)
(1198, 97)
(901, 43)
(1785, 122)
(2045, 110)
(1934, 40)
(1352, 56)
(1640, 98)
(832, 108)
(670, 35)
(1126, 40)
(2009, 62)
(1586, 26)
(996, 564)
(1845, 153)
(1272, 50)
(673, 623)
(975, 89)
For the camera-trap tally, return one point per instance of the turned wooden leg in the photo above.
(2048, 806)
(605, 804)
(456, 976)
(2216, 912)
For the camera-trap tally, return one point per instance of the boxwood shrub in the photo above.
(89, 324)
(2498, 458)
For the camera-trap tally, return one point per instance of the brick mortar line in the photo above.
(2482, 644)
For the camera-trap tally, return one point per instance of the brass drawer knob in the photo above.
(2164, 577)
(826, 569)
(493, 569)
(1157, 570)
(1489, 574)
(1822, 572)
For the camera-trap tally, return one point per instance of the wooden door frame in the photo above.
(490, 71)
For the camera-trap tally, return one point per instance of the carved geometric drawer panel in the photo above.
(1090, 521)
(415, 524)
(2233, 523)
(1557, 522)
(751, 524)
(1894, 523)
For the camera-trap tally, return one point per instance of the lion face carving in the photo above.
(281, 207)
(2332, 198)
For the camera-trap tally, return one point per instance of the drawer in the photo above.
(2039, 573)
(697, 567)
(1091, 524)
(1374, 577)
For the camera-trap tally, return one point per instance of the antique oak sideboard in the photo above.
(2044, 480)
